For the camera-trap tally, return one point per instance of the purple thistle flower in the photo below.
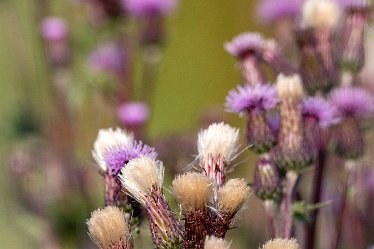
(244, 43)
(108, 58)
(353, 101)
(133, 113)
(54, 29)
(273, 10)
(321, 110)
(258, 97)
(147, 7)
(116, 157)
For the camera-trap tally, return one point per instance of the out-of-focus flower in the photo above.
(244, 44)
(352, 103)
(275, 10)
(281, 244)
(266, 180)
(291, 152)
(143, 178)
(248, 98)
(149, 7)
(320, 110)
(109, 228)
(247, 48)
(212, 242)
(255, 100)
(323, 17)
(321, 14)
(133, 114)
(109, 57)
(217, 146)
(54, 29)
(356, 22)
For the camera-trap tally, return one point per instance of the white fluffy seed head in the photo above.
(281, 244)
(212, 242)
(193, 191)
(108, 227)
(140, 175)
(289, 86)
(107, 139)
(321, 13)
(218, 140)
(232, 195)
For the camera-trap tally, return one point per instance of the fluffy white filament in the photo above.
(107, 139)
(140, 175)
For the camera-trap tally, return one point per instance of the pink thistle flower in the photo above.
(133, 113)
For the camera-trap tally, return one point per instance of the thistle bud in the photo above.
(357, 15)
(266, 180)
(247, 47)
(212, 242)
(291, 152)
(318, 114)
(281, 244)
(217, 146)
(323, 17)
(143, 178)
(230, 199)
(194, 191)
(109, 229)
(311, 66)
(255, 100)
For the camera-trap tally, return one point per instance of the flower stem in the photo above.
(286, 206)
(316, 198)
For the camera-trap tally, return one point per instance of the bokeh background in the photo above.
(195, 75)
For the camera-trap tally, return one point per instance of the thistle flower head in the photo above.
(218, 140)
(109, 228)
(141, 175)
(289, 86)
(245, 43)
(193, 191)
(247, 98)
(133, 113)
(266, 180)
(274, 10)
(281, 244)
(54, 29)
(107, 140)
(117, 157)
(353, 101)
(212, 242)
(323, 14)
(149, 7)
(321, 110)
(232, 195)
(108, 57)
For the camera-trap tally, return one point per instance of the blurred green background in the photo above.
(195, 74)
